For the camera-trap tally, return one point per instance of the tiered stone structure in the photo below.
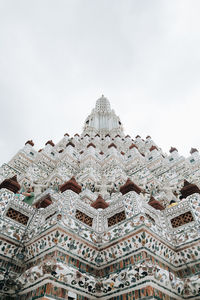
(100, 226)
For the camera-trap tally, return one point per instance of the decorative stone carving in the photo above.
(125, 243)
(193, 150)
(30, 142)
(50, 143)
(188, 189)
(100, 203)
(44, 201)
(130, 186)
(11, 184)
(71, 185)
(172, 149)
(155, 204)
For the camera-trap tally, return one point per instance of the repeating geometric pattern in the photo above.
(182, 219)
(17, 216)
(125, 249)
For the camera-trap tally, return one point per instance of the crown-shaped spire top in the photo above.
(103, 105)
(103, 120)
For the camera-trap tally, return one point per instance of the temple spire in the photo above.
(103, 120)
(103, 105)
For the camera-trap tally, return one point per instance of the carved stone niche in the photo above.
(117, 218)
(44, 202)
(182, 219)
(11, 184)
(17, 216)
(155, 204)
(83, 218)
(71, 185)
(130, 186)
(100, 203)
(188, 189)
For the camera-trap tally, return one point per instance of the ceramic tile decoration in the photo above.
(112, 218)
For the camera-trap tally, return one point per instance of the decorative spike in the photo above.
(100, 203)
(172, 149)
(30, 142)
(153, 148)
(193, 150)
(50, 143)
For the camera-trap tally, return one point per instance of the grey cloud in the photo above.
(58, 57)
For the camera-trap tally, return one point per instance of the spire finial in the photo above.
(103, 120)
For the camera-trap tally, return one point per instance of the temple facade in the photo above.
(112, 217)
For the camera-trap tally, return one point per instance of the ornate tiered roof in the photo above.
(113, 217)
(103, 120)
(10, 184)
(100, 203)
(71, 185)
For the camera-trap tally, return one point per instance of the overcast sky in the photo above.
(58, 57)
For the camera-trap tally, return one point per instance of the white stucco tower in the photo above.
(103, 120)
(110, 217)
